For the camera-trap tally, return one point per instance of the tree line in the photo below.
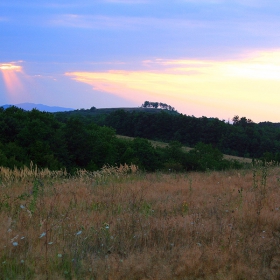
(78, 142)
(242, 137)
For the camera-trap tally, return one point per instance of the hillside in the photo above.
(242, 138)
(104, 111)
(187, 149)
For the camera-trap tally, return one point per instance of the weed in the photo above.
(121, 224)
(38, 188)
(185, 208)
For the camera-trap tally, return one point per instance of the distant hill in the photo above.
(40, 107)
(94, 111)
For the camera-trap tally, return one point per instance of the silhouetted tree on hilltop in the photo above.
(156, 105)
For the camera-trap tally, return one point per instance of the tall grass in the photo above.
(124, 224)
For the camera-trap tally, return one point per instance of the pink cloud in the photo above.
(245, 86)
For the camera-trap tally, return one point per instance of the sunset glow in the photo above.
(205, 58)
(198, 86)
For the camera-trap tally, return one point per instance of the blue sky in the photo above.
(210, 58)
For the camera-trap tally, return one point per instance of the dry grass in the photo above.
(241, 159)
(127, 225)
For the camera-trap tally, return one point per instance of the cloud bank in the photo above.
(218, 88)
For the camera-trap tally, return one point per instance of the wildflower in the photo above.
(12, 240)
(15, 244)
(29, 214)
(42, 223)
(42, 235)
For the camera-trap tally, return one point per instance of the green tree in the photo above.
(204, 157)
(142, 153)
(77, 140)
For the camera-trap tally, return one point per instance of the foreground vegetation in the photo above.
(120, 223)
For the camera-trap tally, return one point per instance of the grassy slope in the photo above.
(162, 144)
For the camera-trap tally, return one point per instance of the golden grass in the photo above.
(131, 225)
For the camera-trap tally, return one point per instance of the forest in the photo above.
(239, 137)
(55, 141)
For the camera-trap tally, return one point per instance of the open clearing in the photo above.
(123, 224)
(187, 149)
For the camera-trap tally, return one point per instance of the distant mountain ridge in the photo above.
(40, 107)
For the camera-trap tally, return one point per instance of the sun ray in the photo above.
(11, 73)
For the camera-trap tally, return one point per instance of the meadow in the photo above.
(122, 223)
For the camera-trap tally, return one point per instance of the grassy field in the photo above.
(120, 223)
(187, 149)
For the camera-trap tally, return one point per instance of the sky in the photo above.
(213, 58)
